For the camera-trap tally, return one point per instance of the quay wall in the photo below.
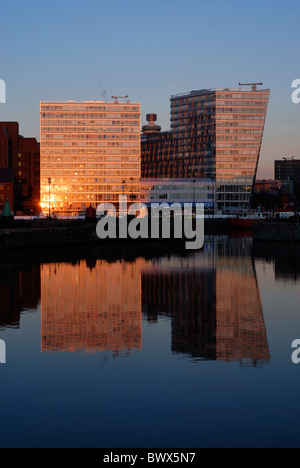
(46, 236)
(59, 234)
(280, 232)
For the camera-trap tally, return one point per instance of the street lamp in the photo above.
(49, 182)
(123, 186)
(132, 180)
(194, 194)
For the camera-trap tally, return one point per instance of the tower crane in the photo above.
(119, 97)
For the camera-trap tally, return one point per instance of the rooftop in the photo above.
(116, 101)
(214, 90)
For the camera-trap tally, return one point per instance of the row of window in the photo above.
(71, 175)
(242, 103)
(85, 152)
(87, 162)
(80, 107)
(72, 115)
(197, 113)
(69, 166)
(238, 123)
(84, 123)
(69, 134)
(65, 183)
(90, 144)
(53, 127)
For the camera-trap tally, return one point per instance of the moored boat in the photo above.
(247, 221)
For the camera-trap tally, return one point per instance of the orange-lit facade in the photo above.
(90, 154)
(215, 134)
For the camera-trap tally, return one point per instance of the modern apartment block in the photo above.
(215, 134)
(90, 154)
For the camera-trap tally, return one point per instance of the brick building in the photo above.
(22, 155)
(28, 172)
(6, 188)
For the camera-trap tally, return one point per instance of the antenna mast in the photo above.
(254, 85)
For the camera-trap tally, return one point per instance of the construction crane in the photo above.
(254, 85)
(119, 97)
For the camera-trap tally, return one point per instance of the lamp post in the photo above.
(131, 180)
(194, 194)
(123, 187)
(49, 182)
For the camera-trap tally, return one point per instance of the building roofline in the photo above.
(214, 90)
(88, 102)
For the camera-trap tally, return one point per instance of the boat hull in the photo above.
(245, 223)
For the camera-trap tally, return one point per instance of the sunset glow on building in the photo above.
(215, 135)
(90, 153)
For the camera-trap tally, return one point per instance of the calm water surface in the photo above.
(181, 351)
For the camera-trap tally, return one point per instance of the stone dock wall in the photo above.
(280, 232)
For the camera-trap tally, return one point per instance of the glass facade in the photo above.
(90, 153)
(240, 120)
(178, 191)
(215, 134)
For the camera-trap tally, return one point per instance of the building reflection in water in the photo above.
(213, 301)
(184, 289)
(211, 298)
(241, 332)
(20, 290)
(91, 307)
(283, 255)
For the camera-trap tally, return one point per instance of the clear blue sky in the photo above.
(75, 49)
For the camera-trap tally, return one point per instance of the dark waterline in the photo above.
(127, 348)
